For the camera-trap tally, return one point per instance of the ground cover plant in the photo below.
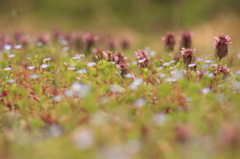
(82, 95)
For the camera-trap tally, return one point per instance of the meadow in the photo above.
(84, 95)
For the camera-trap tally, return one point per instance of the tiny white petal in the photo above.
(137, 81)
(128, 75)
(192, 65)
(57, 98)
(44, 66)
(11, 80)
(205, 90)
(7, 47)
(30, 67)
(8, 68)
(140, 102)
(11, 55)
(91, 64)
(166, 64)
(71, 68)
(18, 46)
(82, 71)
(47, 59)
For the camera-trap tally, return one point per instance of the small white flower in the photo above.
(128, 75)
(173, 61)
(177, 74)
(76, 57)
(141, 61)
(7, 47)
(137, 81)
(166, 64)
(192, 65)
(11, 80)
(91, 64)
(208, 61)
(80, 89)
(11, 55)
(30, 67)
(34, 76)
(205, 90)
(57, 98)
(71, 68)
(140, 102)
(82, 71)
(47, 59)
(133, 87)
(7, 68)
(18, 46)
(83, 138)
(115, 88)
(44, 66)
(210, 75)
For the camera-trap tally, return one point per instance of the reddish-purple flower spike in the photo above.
(44, 39)
(89, 40)
(186, 40)
(142, 58)
(169, 41)
(224, 70)
(221, 46)
(111, 44)
(20, 38)
(125, 43)
(121, 62)
(187, 55)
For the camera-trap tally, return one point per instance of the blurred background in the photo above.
(145, 21)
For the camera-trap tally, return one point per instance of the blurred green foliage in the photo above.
(138, 14)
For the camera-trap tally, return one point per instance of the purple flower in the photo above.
(125, 43)
(221, 46)
(142, 58)
(89, 40)
(169, 41)
(187, 55)
(186, 40)
(224, 70)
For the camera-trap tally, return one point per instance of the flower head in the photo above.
(186, 40)
(224, 70)
(169, 41)
(221, 46)
(187, 55)
(142, 58)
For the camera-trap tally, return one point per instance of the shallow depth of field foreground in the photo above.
(94, 93)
